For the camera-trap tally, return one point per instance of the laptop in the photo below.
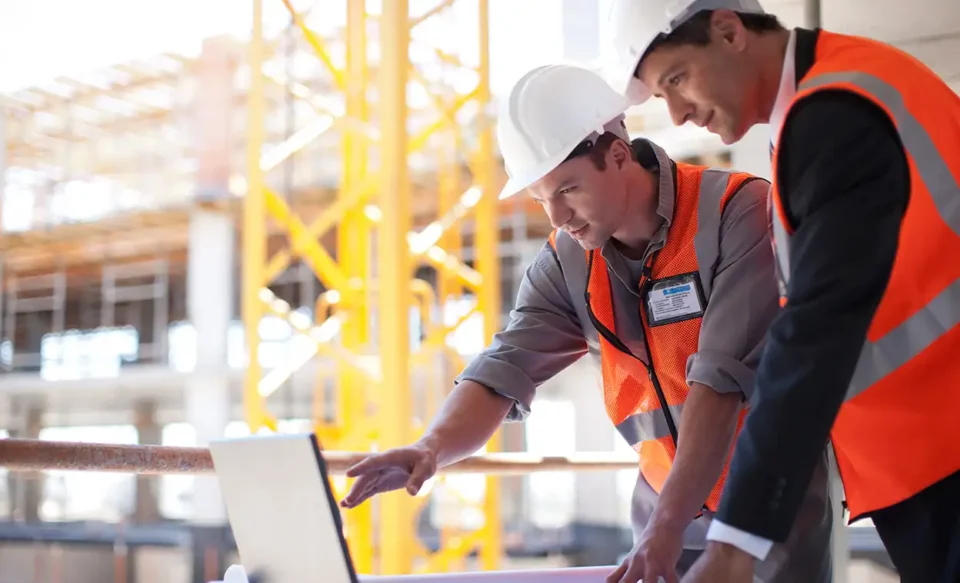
(281, 508)
(287, 524)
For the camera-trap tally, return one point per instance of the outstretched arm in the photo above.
(542, 338)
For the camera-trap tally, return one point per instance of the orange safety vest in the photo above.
(644, 400)
(898, 431)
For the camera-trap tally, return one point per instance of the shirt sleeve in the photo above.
(543, 338)
(743, 299)
(844, 186)
(751, 544)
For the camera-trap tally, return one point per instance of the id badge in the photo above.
(674, 299)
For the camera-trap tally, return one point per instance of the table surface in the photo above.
(571, 575)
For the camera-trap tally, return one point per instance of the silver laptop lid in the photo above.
(282, 511)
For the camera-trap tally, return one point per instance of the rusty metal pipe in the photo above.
(27, 455)
(35, 455)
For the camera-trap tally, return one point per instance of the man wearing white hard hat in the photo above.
(662, 273)
(865, 216)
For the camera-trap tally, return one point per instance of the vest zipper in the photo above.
(612, 338)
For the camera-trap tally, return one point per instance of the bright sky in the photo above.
(40, 39)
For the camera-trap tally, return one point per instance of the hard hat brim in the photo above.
(520, 182)
(636, 91)
(637, 32)
(517, 184)
(630, 87)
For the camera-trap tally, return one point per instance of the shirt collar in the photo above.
(666, 201)
(667, 197)
(787, 91)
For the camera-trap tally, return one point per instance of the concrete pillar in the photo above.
(210, 292)
(14, 484)
(25, 489)
(213, 120)
(211, 279)
(149, 432)
(33, 490)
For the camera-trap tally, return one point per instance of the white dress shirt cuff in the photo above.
(746, 542)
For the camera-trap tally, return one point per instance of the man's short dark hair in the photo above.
(696, 30)
(597, 150)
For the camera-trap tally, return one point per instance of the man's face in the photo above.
(587, 202)
(707, 85)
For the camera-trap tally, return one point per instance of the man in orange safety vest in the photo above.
(865, 214)
(662, 273)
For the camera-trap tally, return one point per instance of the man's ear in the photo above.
(727, 28)
(620, 153)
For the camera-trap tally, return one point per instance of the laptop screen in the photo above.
(284, 517)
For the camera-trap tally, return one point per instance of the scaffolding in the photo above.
(362, 319)
(359, 165)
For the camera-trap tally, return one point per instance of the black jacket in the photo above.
(844, 182)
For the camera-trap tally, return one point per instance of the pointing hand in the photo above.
(404, 467)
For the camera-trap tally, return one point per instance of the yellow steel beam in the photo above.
(358, 194)
(436, 256)
(320, 104)
(448, 184)
(432, 233)
(435, 94)
(450, 265)
(316, 43)
(302, 243)
(254, 231)
(488, 263)
(438, 335)
(347, 200)
(421, 139)
(449, 59)
(355, 427)
(432, 12)
(394, 271)
(281, 152)
(353, 253)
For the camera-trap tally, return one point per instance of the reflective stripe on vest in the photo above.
(648, 425)
(920, 309)
(632, 401)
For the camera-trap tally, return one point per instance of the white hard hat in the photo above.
(549, 112)
(635, 24)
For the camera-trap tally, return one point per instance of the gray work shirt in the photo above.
(546, 332)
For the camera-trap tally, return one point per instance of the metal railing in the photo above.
(21, 455)
(28, 455)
